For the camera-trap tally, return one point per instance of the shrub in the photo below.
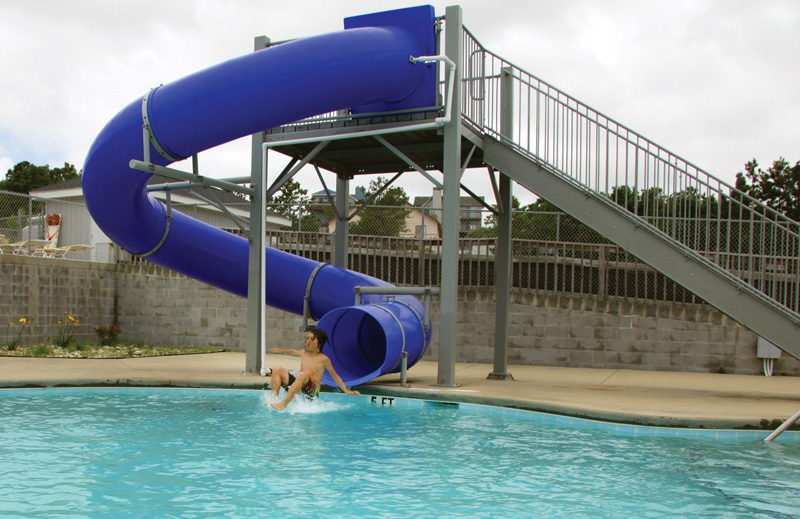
(41, 350)
(108, 335)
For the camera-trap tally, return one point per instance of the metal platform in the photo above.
(357, 154)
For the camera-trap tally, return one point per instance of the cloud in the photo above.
(6, 163)
(713, 81)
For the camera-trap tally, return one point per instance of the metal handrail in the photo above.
(607, 159)
(785, 425)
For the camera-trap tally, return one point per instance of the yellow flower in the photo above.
(23, 320)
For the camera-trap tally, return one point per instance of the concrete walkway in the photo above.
(641, 397)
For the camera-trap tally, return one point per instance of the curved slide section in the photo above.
(366, 65)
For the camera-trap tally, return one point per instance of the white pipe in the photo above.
(768, 367)
(451, 73)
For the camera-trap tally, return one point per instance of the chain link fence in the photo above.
(552, 252)
(37, 226)
(21, 217)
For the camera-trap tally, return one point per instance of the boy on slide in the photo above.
(308, 378)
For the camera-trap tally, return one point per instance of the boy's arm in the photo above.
(336, 378)
(296, 353)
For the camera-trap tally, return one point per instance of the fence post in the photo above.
(558, 226)
(421, 257)
(602, 269)
(30, 224)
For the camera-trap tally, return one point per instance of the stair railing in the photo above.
(751, 241)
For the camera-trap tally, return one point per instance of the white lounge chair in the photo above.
(61, 252)
(25, 247)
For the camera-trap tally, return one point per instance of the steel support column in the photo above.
(451, 210)
(256, 290)
(502, 285)
(503, 252)
(342, 207)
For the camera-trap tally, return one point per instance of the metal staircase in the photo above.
(733, 251)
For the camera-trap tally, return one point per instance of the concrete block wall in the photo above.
(157, 306)
(161, 307)
(42, 289)
(590, 332)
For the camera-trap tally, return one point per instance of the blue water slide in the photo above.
(366, 67)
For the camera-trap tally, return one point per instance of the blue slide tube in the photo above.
(365, 65)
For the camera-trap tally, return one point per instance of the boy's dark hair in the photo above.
(320, 335)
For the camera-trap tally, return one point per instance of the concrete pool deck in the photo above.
(642, 397)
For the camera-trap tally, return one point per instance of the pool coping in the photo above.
(388, 398)
(658, 399)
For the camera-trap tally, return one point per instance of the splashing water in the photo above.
(300, 404)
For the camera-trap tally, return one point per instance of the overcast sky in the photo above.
(716, 82)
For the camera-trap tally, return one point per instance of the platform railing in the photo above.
(607, 159)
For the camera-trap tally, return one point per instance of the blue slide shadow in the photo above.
(364, 68)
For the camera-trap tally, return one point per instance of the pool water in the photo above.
(106, 453)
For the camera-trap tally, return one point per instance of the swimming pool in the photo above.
(131, 452)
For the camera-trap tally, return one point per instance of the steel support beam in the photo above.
(176, 174)
(451, 210)
(405, 158)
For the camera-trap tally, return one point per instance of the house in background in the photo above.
(417, 224)
(324, 197)
(424, 217)
(77, 227)
(471, 210)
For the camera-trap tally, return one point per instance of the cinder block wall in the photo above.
(42, 289)
(159, 306)
(587, 332)
(155, 305)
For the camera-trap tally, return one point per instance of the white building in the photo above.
(77, 227)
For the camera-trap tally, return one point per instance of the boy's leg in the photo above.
(280, 377)
(297, 385)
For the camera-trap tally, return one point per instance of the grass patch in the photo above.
(84, 350)
(40, 350)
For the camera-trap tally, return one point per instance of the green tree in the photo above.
(24, 176)
(317, 217)
(778, 187)
(382, 221)
(625, 196)
(291, 201)
(542, 221)
(544, 225)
